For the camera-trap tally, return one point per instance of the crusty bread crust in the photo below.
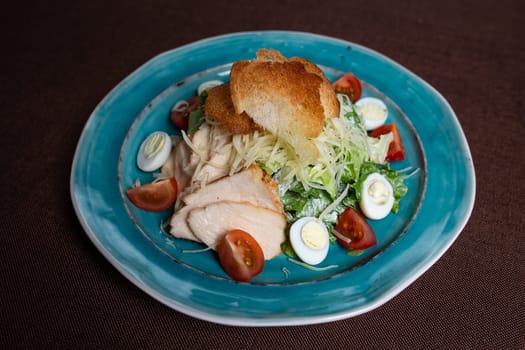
(278, 96)
(328, 97)
(219, 107)
(289, 98)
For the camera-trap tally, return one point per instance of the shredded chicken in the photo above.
(210, 191)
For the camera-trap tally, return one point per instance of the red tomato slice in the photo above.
(180, 117)
(157, 196)
(348, 84)
(396, 150)
(354, 227)
(240, 255)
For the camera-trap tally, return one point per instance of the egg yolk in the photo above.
(378, 192)
(154, 145)
(313, 236)
(372, 111)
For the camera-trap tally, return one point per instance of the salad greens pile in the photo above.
(324, 190)
(348, 156)
(359, 156)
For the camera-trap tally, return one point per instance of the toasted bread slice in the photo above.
(289, 98)
(219, 107)
(326, 91)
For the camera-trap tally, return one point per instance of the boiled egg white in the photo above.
(309, 239)
(373, 111)
(377, 197)
(154, 151)
(208, 85)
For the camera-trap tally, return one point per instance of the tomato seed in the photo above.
(356, 235)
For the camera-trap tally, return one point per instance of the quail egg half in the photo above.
(373, 111)
(309, 239)
(377, 197)
(154, 151)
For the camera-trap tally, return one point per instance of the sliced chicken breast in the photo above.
(179, 226)
(251, 185)
(212, 222)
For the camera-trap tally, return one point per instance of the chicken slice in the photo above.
(212, 222)
(179, 226)
(250, 185)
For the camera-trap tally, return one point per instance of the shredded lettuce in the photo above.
(343, 147)
(378, 147)
(346, 155)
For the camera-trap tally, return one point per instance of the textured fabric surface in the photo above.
(60, 58)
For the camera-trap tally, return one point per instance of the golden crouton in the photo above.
(219, 107)
(288, 97)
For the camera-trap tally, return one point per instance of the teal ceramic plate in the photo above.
(438, 204)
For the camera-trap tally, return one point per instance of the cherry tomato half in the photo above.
(356, 229)
(180, 117)
(348, 84)
(156, 196)
(240, 255)
(396, 150)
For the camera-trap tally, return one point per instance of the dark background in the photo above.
(60, 58)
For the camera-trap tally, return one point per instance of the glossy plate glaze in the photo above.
(178, 274)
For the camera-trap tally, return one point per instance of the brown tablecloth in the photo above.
(60, 58)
